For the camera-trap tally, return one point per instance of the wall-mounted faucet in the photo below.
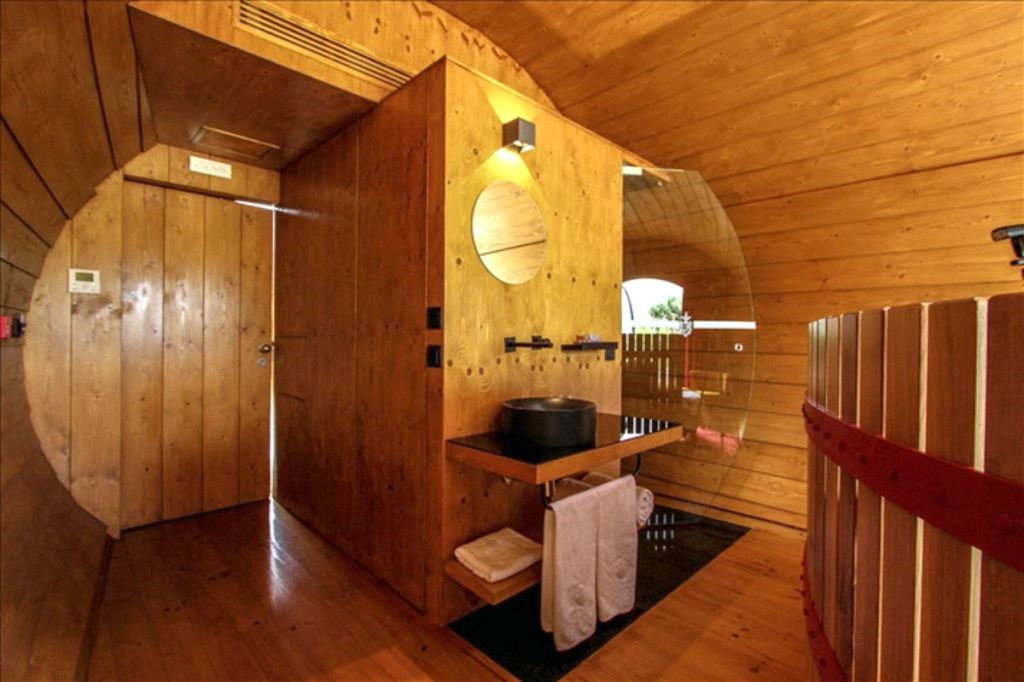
(536, 343)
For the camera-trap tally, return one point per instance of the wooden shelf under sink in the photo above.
(493, 593)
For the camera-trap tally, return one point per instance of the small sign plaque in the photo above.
(218, 169)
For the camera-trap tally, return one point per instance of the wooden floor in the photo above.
(251, 594)
(740, 618)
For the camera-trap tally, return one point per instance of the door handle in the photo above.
(266, 348)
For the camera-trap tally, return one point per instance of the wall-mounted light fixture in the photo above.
(519, 135)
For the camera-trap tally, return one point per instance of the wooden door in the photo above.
(211, 440)
(150, 391)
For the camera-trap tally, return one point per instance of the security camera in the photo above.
(1015, 233)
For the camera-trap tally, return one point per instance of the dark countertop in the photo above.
(618, 436)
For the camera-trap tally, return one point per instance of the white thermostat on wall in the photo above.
(83, 281)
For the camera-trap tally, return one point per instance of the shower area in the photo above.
(689, 344)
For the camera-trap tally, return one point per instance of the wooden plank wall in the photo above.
(903, 327)
(576, 180)
(815, 472)
(912, 601)
(950, 422)
(181, 392)
(144, 423)
(1002, 618)
(870, 380)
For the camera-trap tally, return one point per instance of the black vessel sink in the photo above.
(550, 422)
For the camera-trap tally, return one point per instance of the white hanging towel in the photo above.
(568, 590)
(644, 496)
(616, 547)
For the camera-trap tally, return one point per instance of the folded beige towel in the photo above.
(644, 497)
(499, 555)
(616, 547)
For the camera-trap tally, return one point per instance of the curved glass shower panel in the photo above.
(688, 336)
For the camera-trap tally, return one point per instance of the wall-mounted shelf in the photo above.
(493, 593)
(609, 347)
(617, 437)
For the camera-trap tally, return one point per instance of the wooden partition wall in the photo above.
(377, 229)
(351, 392)
(576, 179)
(898, 597)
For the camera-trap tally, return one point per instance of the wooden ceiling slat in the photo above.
(670, 38)
(757, 57)
(979, 99)
(24, 192)
(147, 128)
(927, 70)
(50, 100)
(114, 53)
(1002, 136)
(19, 245)
(771, 99)
(581, 48)
(842, 64)
(975, 184)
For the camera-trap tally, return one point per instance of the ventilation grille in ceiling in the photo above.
(284, 28)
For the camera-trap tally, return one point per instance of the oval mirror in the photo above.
(508, 232)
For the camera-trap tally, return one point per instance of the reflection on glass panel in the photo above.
(688, 334)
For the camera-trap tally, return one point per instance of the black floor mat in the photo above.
(673, 547)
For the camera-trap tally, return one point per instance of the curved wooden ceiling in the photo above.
(768, 99)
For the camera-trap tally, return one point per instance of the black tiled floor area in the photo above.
(673, 547)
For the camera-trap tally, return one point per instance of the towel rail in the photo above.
(547, 489)
(547, 493)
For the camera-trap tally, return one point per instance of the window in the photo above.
(649, 306)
